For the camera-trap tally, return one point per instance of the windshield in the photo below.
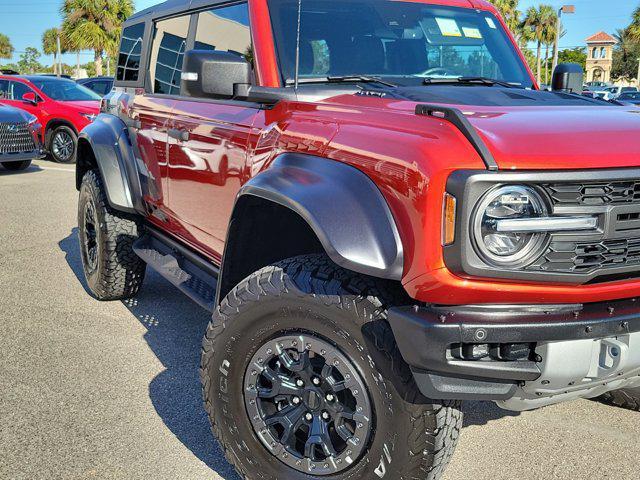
(402, 41)
(65, 90)
(629, 96)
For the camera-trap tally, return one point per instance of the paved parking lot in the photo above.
(110, 391)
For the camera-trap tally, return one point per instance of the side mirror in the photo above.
(568, 78)
(30, 97)
(215, 74)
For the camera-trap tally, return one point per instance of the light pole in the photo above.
(639, 73)
(568, 9)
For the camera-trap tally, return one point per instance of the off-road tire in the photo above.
(17, 166)
(117, 272)
(413, 437)
(67, 132)
(628, 398)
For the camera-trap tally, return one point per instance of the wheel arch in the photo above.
(54, 123)
(105, 145)
(304, 204)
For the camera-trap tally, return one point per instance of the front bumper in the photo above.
(522, 356)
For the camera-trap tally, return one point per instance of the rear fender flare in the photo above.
(343, 207)
(114, 155)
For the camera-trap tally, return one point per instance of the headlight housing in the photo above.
(507, 249)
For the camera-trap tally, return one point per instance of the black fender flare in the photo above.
(343, 207)
(114, 155)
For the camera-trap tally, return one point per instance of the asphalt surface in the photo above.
(110, 390)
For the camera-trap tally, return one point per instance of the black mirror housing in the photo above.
(214, 74)
(568, 78)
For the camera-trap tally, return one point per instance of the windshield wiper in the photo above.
(345, 79)
(469, 81)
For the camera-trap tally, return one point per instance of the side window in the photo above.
(4, 89)
(225, 29)
(129, 55)
(167, 53)
(18, 89)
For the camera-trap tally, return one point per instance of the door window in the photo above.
(17, 90)
(169, 44)
(129, 56)
(225, 29)
(4, 89)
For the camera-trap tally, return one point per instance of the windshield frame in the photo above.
(40, 83)
(516, 55)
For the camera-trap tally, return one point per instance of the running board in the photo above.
(184, 269)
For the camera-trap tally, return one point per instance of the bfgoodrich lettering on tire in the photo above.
(112, 269)
(302, 379)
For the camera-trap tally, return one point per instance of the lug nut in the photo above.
(330, 397)
(308, 417)
(325, 416)
(295, 400)
(316, 381)
(300, 383)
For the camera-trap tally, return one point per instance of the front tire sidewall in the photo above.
(266, 319)
(89, 196)
(58, 131)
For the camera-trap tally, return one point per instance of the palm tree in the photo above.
(50, 45)
(634, 28)
(510, 12)
(95, 25)
(6, 49)
(540, 21)
(626, 42)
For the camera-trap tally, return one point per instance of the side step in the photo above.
(186, 270)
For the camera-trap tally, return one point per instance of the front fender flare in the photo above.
(343, 207)
(108, 137)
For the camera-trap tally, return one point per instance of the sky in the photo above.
(24, 21)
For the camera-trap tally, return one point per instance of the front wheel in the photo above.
(302, 379)
(62, 145)
(17, 166)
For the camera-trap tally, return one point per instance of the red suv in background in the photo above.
(62, 107)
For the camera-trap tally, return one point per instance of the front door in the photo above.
(208, 139)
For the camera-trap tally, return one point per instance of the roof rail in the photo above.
(8, 71)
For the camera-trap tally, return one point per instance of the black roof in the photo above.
(170, 7)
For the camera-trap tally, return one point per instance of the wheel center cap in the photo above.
(313, 400)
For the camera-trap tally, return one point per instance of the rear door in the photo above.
(208, 139)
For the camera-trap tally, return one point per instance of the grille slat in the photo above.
(16, 138)
(593, 194)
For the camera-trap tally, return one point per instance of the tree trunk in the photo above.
(98, 63)
(539, 62)
(78, 64)
(55, 64)
(546, 65)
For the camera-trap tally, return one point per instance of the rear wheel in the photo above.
(302, 379)
(625, 398)
(62, 144)
(16, 166)
(112, 269)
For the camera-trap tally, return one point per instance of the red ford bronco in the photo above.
(385, 215)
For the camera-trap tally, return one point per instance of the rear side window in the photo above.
(167, 53)
(225, 29)
(130, 52)
(17, 90)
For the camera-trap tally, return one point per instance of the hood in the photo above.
(13, 115)
(527, 129)
(85, 106)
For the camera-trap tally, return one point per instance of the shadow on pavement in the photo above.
(481, 413)
(33, 168)
(175, 328)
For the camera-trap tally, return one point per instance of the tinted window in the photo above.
(17, 90)
(101, 87)
(225, 29)
(64, 90)
(169, 44)
(405, 41)
(130, 51)
(4, 89)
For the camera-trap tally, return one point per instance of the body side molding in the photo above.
(343, 207)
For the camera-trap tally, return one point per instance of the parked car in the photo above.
(629, 98)
(62, 107)
(611, 93)
(406, 232)
(19, 138)
(99, 85)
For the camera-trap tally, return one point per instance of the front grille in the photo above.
(16, 138)
(587, 258)
(594, 194)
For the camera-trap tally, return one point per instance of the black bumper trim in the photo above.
(425, 335)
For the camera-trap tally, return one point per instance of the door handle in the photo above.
(181, 135)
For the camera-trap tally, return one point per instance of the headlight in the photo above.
(508, 249)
